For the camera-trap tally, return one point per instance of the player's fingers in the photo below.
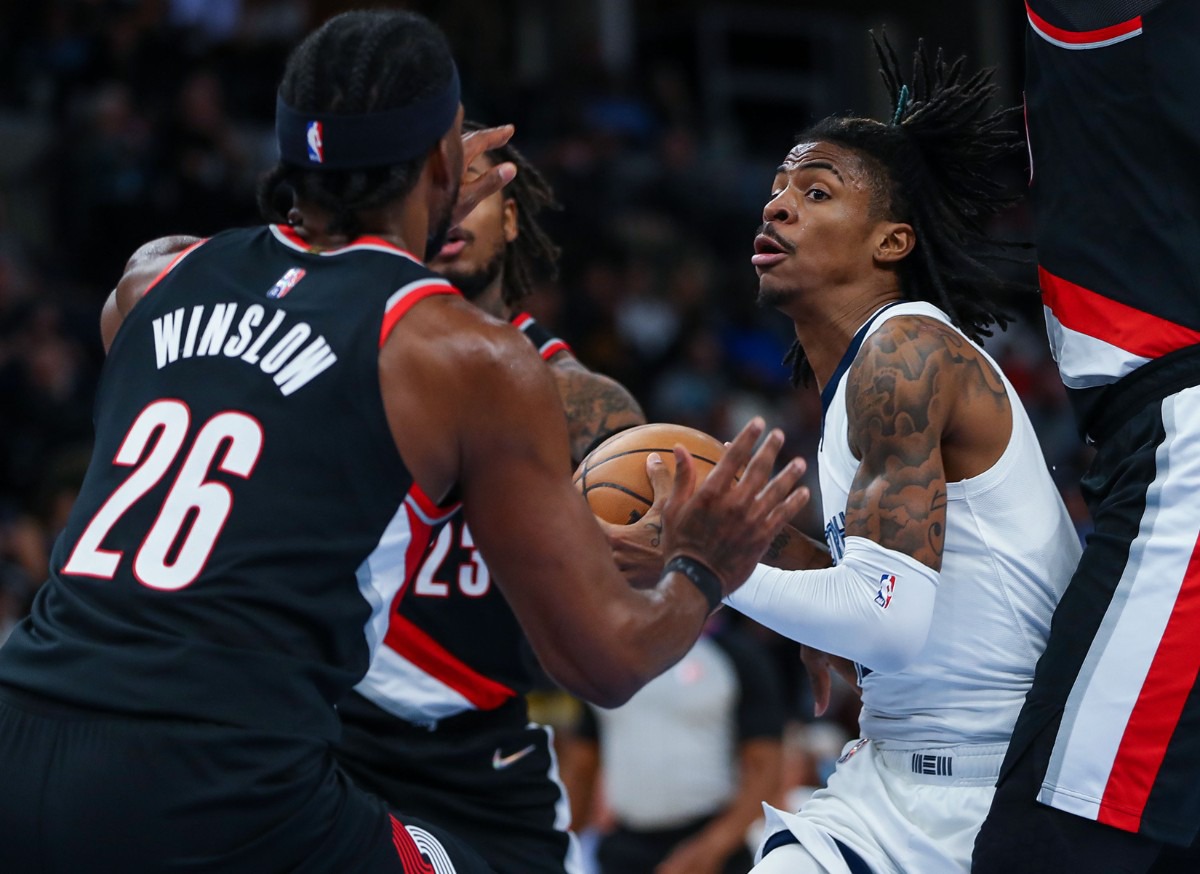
(782, 484)
(660, 478)
(685, 476)
(736, 455)
(484, 185)
(758, 471)
(476, 142)
(785, 511)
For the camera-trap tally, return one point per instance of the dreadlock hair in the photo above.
(932, 167)
(357, 62)
(532, 253)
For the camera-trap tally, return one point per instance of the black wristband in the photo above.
(702, 576)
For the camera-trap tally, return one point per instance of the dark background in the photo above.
(659, 122)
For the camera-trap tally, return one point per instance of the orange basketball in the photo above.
(613, 476)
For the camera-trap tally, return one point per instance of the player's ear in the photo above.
(512, 213)
(894, 241)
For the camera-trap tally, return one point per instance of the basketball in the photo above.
(613, 477)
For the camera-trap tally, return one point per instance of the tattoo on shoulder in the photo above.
(897, 396)
(596, 406)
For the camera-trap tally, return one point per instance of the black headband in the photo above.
(338, 141)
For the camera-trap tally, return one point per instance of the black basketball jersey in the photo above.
(246, 519)
(1114, 131)
(453, 643)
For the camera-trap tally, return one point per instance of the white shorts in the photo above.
(903, 810)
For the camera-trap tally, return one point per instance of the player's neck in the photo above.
(491, 299)
(826, 329)
(399, 224)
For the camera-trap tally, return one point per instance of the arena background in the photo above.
(659, 122)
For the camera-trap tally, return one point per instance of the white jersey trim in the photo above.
(1085, 361)
(1118, 663)
(404, 690)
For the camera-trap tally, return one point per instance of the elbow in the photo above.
(603, 692)
(604, 684)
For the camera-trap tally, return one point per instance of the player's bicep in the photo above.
(896, 404)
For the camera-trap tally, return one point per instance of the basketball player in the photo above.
(950, 541)
(1103, 773)
(439, 725)
(284, 414)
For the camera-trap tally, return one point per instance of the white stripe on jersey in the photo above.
(404, 690)
(1085, 361)
(383, 572)
(405, 290)
(1119, 660)
(573, 863)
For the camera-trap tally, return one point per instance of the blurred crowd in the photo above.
(123, 120)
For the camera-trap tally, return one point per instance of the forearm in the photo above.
(848, 610)
(793, 550)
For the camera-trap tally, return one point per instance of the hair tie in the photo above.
(901, 104)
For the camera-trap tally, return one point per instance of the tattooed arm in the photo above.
(597, 406)
(900, 396)
(909, 396)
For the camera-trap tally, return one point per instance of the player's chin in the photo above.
(772, 292)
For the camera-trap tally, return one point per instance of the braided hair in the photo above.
(532, 253)
(932, 167)
(357, 62)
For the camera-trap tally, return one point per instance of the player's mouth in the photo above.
(768, 251)
(456, 241)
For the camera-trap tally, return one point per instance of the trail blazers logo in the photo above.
(887, 585)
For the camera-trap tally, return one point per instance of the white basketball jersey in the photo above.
(1009, 553)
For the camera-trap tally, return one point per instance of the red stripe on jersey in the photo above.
(412, 643)
(521, 320)
(407, 298)
(1114, 323)
(553, 348)
(430, 507)
(1082, 37)
(1155, 715)
(407, 850)
(174, 261)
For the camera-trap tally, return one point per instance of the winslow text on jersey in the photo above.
(205, 330)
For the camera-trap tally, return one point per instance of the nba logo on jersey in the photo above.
(887, 585)
(286, 282)
(316, 148)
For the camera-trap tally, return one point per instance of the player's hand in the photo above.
(472, 191)
(730, 519)
(820, 667)
(638, 547)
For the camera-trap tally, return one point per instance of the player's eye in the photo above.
(817, 194)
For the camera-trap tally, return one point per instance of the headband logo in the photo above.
(316, 148)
